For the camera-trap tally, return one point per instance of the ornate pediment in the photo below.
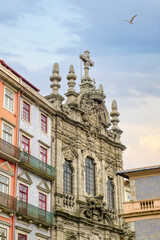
(69, 153)
(25, 177)
(43, 186)
(6, 168)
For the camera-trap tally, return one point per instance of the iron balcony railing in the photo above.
(7, 203)
(35, 214)
(37, 166)
(9, 151)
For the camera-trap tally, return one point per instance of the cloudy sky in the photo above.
(35, 34)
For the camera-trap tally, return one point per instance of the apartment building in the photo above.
(9, 152)
(25, 164)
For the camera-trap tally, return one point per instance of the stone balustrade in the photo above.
(141, 205)
(68, 201)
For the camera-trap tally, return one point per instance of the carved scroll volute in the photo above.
(68, 155)
(110, 172)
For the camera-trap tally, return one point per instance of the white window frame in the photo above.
(8, 125)
(6, 184)
(6, 107)
(7, 230)
(9, 177)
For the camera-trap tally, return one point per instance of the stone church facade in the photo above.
(86, 151)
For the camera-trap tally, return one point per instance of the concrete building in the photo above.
(88, 196)
(143, 210)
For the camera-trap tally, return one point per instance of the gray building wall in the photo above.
(148, 229)
(147, 187)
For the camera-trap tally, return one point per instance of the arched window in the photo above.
(90, 176)
(110, 193)
(67, 177)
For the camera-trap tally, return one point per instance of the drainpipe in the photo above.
(51, 198)
(16, 165)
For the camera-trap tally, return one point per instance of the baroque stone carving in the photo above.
(69, 153)
(72, 238)
(95, 210)
(66, 109)
(94, 111)
(110, 171)
(128, 234)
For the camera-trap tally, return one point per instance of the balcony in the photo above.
(8, 204)
(135, 210)
(9, 152)
(34, 214)
(36, 166)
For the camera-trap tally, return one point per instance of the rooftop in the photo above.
(140, 169)
(18, 75)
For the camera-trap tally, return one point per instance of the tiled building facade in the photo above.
(77, 144)
(143, 210)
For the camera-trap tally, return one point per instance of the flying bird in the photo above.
(131, 21)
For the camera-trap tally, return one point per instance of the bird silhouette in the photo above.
(131, 21)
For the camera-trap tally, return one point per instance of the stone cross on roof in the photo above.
(87, 63)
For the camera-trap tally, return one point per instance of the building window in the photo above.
(25, 144)
(43, 154)
(4, 184)
(23, 193)
(67, 177)
(90, 176)
(7, 133)
(43, 123)
(3, 233)
(22, 237)
(42, 201)
(110, 193)
(26, 111)
(8, 99)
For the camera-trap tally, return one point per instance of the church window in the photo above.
(67, 177)
(90, 176)
(110, 193)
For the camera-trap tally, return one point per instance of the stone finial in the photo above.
(71, 79)
(101, 89)
(55, 78)
(114, 114)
